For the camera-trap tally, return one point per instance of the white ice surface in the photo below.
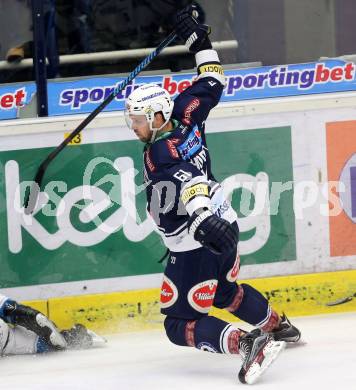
(147, 360)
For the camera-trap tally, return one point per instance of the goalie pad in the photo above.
(33, 320)
(17, 340)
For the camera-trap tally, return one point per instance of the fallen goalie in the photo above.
(24, 330)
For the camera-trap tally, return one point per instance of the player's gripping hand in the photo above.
(194, 34)
(213, 232)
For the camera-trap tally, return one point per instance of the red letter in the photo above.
(336, 74)
(183, 85)
(19, 95)
(322, 74)
(7, 101)
(349, 71)
(169, 86)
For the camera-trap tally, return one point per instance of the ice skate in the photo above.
(286, 331)
(258, 351)
(79, 337)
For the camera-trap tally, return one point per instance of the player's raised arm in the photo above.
(195, 103)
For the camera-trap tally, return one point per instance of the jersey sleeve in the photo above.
(193, 105)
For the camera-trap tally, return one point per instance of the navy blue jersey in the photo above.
(177, 168)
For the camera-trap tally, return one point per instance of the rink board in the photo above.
(297, 295)
(279, 160)
(290, 157)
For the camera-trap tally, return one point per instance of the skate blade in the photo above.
(296, 344)
(271, 350)
(98, 341)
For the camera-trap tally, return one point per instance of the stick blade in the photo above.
(31, 198)
(340, 301)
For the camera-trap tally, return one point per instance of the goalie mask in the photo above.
(148, 100)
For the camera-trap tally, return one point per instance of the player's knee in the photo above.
(234, 301)
(177, 330)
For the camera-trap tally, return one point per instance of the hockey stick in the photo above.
(32, 196)
(341, 300)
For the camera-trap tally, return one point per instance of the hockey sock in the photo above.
(252, 307)
(207, 333)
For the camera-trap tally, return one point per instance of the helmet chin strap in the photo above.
(153, 136)
(155, 130)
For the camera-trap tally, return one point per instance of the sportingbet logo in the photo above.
(76, 98)
(284, 76)
(263, 80)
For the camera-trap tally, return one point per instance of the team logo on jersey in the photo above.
(187, 114)
(233, 274)
(201, 296)
(191, 145)
(169, 293)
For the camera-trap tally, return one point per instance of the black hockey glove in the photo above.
(194, 35)
(213, 232)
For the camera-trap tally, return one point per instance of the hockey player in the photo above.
(24, 330)
(197, 223)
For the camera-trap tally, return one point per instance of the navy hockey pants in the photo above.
(196, 280)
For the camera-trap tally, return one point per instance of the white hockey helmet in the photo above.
(148, 99)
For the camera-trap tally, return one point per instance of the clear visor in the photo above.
(133, 121)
